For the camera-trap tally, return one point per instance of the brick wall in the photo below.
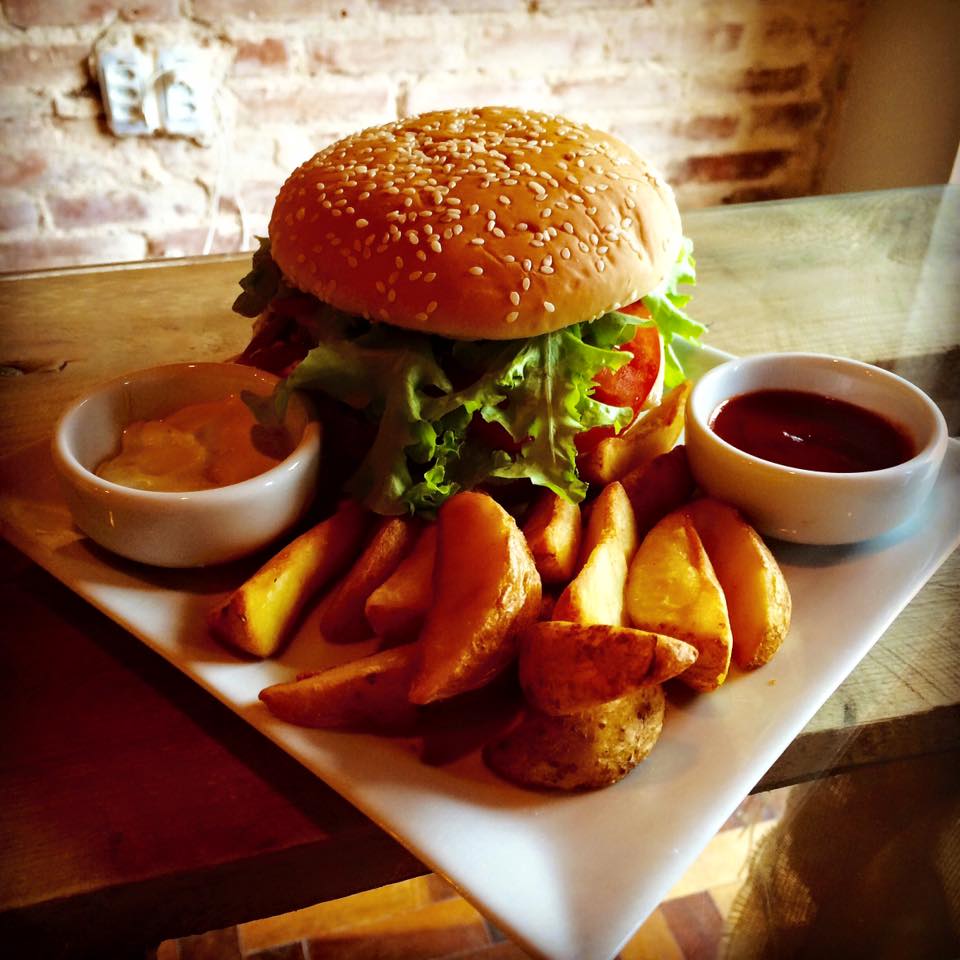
(733, 99)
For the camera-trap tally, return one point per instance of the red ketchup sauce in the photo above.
(811, 432)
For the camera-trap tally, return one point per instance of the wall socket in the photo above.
(145, 94)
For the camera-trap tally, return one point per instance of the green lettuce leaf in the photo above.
(666, 304)
(540, 390)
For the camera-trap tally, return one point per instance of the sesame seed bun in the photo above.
(492, 223)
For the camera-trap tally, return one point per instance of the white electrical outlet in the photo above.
(142, 94)
(126, 88)
(183, 93)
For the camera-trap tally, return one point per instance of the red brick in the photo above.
(105, 208)
(745, 165)
(438, 92)
(260, 56)
(15, 214)
(217, 10)
(43, 252)
(532, 49)
(455, 6)
(772, 79)
(782, 31)
(649, 36)
(31, 65)
(629, 90)
(356, 53)
(706, 127)
(71, 13)
(795, 115)
(23, 169)
(334, 101)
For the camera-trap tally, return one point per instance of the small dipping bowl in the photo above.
(182, 529)
(811, 506)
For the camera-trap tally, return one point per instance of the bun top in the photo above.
(493, 223)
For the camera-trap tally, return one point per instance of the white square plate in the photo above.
(566, 876)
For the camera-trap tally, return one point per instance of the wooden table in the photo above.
(134, 807)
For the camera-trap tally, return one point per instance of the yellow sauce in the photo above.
(199, 447)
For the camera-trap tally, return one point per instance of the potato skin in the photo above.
(486, 592)
(369, 693)
(568, 667)
(758, 598)
(590, 749)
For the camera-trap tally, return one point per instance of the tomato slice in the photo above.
(631, 384)
(627, 387)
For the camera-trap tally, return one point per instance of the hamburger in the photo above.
(474, 296)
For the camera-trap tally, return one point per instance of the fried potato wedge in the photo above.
(658, 487)
(672, 589)
(342, 616)
(259, 616)
(553, 530)
(366, 693)
(596, 594)
(587, 750)
(397, 608)
(758, 598)
(566, 667)
(646, 438)
(486, 591)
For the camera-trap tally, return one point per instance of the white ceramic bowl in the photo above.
(808, 506)
(188, 529)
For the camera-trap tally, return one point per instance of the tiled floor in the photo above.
(425, 919)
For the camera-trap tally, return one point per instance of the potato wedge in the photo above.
(553, 533)
(367, 693)
(397, 608)
(648, 437)
(342, 618)
(758, 598)
(596, 594)
(657, 487)
(486, 591)
(592, 748)
(566, 667)
(672, 589)
(259, 616)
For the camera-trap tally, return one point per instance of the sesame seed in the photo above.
(392, 295)
(416, 275)
(525, 283)
(548, 306)
(435, 245)
(511, 317)
(514, 298)
(421, 317)
(431, 306)
(476, 271)
(429, 277)
(361, 223)
(478, 241)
